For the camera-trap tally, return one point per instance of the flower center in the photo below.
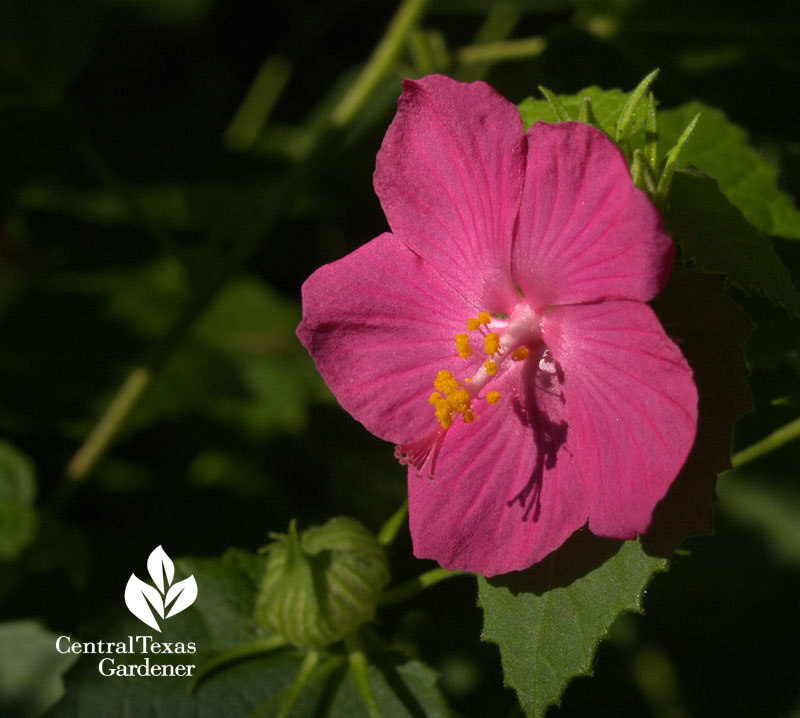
(499, 337)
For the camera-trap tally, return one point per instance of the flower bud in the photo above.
(321, 584)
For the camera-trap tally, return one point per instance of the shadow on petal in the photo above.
(544, 405)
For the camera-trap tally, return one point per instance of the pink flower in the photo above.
(499, 336)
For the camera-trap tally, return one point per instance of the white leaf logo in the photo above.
(146, 602)
(159, 564)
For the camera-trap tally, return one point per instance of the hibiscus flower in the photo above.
(499, 335)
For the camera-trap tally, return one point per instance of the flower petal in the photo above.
(380, 324)
(631, 404)
(449, 176)
(585, 231)
(507, 490)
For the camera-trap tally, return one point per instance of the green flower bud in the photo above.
(322, 584)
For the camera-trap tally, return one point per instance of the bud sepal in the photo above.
(321, 584)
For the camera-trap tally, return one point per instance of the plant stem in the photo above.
(379, 62)
(127, 396)
(393, 524)
(523, 48)
(299, 682)
(499, 23)
(774, 441)
(258, 103)
(324, 142)
(420, 583)
(360, 673)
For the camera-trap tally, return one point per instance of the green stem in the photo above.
(108, 426)
(380, 61)
(499, 23)
(427, 57)
(420, 583)
(521, 49)
(258, 103)
(359, 671)
(393, 524)
(238, 653)
(299, 682)
(104, 432)
(774, 441)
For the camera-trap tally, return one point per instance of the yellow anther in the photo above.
(445, 418)
(520, 354)
(493, 397)
(459, 401)
(491, 367)
(462, 343)
(456, 400)
(491, 343)
(445, 382)
(484, 318)
(473, 324)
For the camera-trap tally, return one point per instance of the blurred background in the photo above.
(170, 173)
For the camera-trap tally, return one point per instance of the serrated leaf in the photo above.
(17, 495)
(715, 237)
(720, 148)
(549, 619)
(221, 620)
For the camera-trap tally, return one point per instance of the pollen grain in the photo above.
(462, 344)
(491, 343)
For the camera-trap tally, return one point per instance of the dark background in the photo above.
(122, 197)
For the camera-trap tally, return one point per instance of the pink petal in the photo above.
(631, 404)
(380, 324)
(507, 490)
(449, 176)
(585, 231)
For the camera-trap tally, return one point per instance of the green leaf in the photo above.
(715, 237)
(626, 122)
(555, 105)
(30, 669)
(242, 365)
(720, 148)
(549, 619)
(254, 326)
(220, 620)
(606, 104)
(17, 496)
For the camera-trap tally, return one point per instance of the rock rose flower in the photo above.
(499, 334)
